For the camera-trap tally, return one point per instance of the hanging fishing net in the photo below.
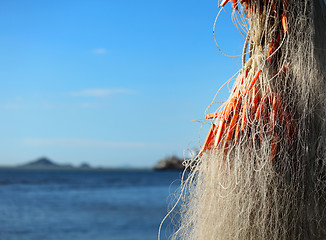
(261, 172)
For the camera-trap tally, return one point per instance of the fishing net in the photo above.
(261, 173)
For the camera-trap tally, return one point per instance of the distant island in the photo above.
(45, 163)
(170, 163)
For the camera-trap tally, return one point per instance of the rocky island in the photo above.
(169, 163)
(44, 163)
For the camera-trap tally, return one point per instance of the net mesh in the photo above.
(261, 173)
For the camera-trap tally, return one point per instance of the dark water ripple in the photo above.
(82, 205)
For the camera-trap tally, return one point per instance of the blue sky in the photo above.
(111, 83)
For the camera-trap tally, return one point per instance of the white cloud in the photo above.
(88, 105)
(47, 105)
(82, 142)
(11, 106)
(99, 51)
(101, 92)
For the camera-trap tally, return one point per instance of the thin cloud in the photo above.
(99, 51)
(88, 105)
(81, 142)
(14, 104)
(101, 92)
(11, 106)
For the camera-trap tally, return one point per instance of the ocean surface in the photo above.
(85, 205)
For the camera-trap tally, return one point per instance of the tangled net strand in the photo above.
(261, 173)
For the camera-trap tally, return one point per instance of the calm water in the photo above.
(94, 205)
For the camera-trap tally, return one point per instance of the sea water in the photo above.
(85, 204)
